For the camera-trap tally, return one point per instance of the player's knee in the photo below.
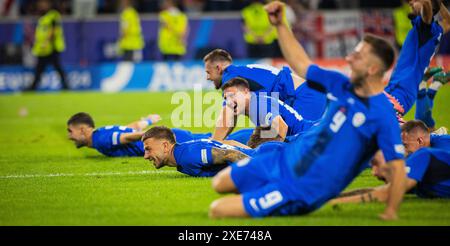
(216, 209)
(219, 182)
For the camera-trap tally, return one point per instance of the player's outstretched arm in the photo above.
(292, 50)
(397, 179)
(126, 138)
(235, 143)
(222, 156)
(144, 122)
(377, 194)
(224, 124)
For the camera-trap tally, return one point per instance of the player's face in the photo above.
(237, 99)
(156, 151)
(213, 73)
(412, 142)
(359, 61)
(76, 133)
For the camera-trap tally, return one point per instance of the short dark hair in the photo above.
(218, 55)
(382, 49)
(414, 125)
(159, 132)
(81, 118)
(238, 82)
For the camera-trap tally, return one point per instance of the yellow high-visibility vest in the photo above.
(130, 30)
(257, 22)
(49, 35)
(173, 26)
(402, 22)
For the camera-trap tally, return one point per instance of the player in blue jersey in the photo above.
(198, 158)
(277, 118)
(109, 140)
(418, 49)
(301, 176)
(116, 141)
(427, 167)
(289, 88)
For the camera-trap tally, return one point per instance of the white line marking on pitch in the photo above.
(23, 176)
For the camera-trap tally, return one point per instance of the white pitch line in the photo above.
(24, 176)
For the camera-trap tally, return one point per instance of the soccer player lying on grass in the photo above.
(418, 49)
(198, 158)
(289, 88)
(425, 97)
(264, 111)
(427, 167)
(119, 141)
(304, 174)
(109, 140)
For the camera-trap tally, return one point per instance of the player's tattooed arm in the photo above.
(377, 194)
(222, 156)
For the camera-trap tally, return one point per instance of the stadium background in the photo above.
(45, 180)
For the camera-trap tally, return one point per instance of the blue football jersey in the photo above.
(306, 100)
(194, 157)
(320, 164)
(263, 109)
(107, 141)
(430, 167)
(440, 141)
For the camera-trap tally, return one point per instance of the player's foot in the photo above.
(442, 77)
(441, 131)
(431, 71)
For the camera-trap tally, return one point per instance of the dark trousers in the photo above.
(43, 62)
(264, 50)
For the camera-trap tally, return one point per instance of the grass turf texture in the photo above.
(89, 189)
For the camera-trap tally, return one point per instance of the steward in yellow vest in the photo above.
(48, 43)
(259, 34)
(173, 29)
(402, 23)
(131, 40)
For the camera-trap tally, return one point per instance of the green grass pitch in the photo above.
(45, 180)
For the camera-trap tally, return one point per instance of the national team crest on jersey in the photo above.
(358, 119)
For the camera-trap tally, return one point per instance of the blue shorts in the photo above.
(253, 173)
(263, 195)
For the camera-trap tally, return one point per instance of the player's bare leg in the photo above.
(230, 206)
(222, 182)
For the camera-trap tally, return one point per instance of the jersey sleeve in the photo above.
(388, 138)
(417, 165)
(198, 155)
(330, 81)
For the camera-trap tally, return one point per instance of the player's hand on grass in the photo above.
(153, 118)
(276, 12)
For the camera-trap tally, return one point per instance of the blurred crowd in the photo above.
(68, 7)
